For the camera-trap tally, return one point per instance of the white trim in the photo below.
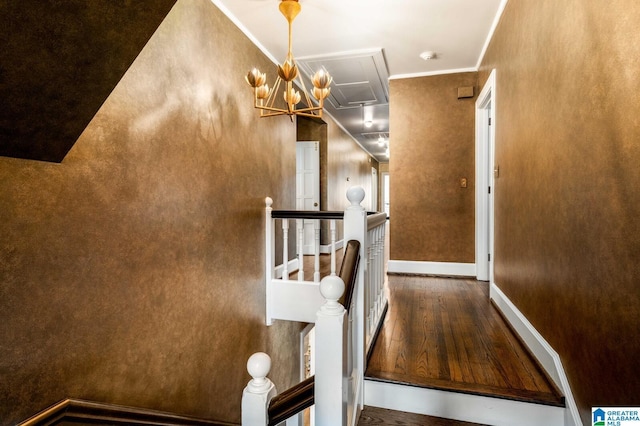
(541, 350)
(295, 300)
(460, 406)
(432, 73)
(292, 265)
(244, 30)
(494, 25)
(484, 159)
(326, 248)
(432, 268)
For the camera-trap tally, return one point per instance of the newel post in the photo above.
(355, 228)
(331, 344)
(258, 392)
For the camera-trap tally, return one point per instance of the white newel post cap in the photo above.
(258, 366)
(268, 201)
(331, 288)
(355, 195)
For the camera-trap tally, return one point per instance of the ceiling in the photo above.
(364, 43)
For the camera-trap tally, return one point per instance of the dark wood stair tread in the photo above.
(381, 416)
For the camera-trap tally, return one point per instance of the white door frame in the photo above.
(374, 190)
(485, 192)
(384, 192)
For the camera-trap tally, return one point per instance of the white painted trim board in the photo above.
(449, 269)
(541, 350)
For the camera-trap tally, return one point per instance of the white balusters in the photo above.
(356, 223)
(332, 226)
(316, 251)
(341, 343)
(285, 249)
(377, 299)
(258, 392)
(300, 223)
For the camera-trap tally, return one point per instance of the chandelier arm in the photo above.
(315, 108)
(272, 114)
(268, 108)
(304, 114)
(304, 90)
(271, 99)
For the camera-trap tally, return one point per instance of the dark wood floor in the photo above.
(444, 333)
(382, 416)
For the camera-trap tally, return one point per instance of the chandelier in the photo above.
(265, 97)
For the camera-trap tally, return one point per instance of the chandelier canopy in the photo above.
(265, 97)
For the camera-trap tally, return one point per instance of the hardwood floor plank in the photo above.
(382, 416)
(445, 334)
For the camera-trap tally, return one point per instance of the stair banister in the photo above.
(342, 338)
(355, 228)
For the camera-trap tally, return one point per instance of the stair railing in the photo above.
(295, 299)
(329, 389)
(344, 334)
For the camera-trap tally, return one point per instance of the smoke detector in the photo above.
(428, 55)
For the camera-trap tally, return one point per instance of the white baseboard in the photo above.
(541, 350)
(292, 265)
(460, 406)
(326, 249)
(448, 269)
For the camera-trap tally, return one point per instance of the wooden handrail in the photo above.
(108, 414)
(349, 272)
(318, 214)
(307, 214)
(375, 219)
(292, 401)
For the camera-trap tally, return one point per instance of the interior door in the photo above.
(308, 187)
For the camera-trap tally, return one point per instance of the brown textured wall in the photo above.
(432, 146)
(346, 160)
(131, 273)
(567, 247)
(340, 157)
(72, 43)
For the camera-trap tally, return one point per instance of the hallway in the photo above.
(445, 334)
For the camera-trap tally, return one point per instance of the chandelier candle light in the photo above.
(264, 97)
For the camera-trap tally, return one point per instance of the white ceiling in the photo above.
(397, 31)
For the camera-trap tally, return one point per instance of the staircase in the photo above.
(341, 391)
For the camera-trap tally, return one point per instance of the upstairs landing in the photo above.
(445, 334)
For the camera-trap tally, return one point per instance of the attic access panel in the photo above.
(359, 78)
(58, 64)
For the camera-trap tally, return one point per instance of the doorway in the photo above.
(486, 173)
(308, 187)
